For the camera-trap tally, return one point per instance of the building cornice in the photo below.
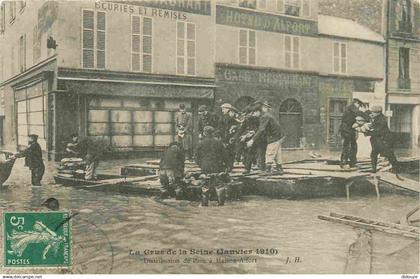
(321, 35)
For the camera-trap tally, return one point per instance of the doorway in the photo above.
(291, 121)
(336, 109)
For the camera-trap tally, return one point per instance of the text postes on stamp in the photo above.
(36, 239)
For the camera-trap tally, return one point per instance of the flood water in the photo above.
(109, 226)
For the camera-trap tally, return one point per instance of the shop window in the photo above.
(2, 18)
(22, 53)
(31, 120)
(340, 57)
(250, 4)
(141, 44)
(404, 68)
(186, 48)
(12, 11)
(247, 47)
(93, 39)
(292, 52)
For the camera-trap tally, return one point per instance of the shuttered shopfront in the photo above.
(31, 111)
(128, 123)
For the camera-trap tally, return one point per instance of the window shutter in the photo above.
(88, 17)
(336, 58)
(280, 6)
(306, 8)
(147, 26)
(101, 21)
(343, 58)
(100, 40)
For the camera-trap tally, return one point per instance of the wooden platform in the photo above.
(312, 178)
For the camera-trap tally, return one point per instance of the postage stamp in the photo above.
(37, 239)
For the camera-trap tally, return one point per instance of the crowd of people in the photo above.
(252, 136)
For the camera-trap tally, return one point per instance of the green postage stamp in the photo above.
(36, 239)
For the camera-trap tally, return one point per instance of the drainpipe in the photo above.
(386, 32)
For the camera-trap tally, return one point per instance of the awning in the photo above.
(136, 89)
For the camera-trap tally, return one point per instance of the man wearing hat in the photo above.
(269, 136)
(228, 126)
(205, 118)
(171, 169)
(210, 153)
(349, 151)
(381, 140)
(33, 159)
(183, 122)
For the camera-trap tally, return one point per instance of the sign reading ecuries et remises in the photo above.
(267, 22)
(157, 7)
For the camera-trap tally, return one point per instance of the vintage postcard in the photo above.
(210, 137)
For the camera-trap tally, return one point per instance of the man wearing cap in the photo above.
(349, 151)
(205, 118)
(210, 153)
(381, 139)
(269, 136)
(183, 122)
(228, 126)
(33, 159)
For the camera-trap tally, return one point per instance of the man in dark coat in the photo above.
(246, 131)
(269, 135)
(228, 126)
(381, 140)
(349, 151)
(210, 153)
(171, 171)
(184, 129)
(205, 118)
(33, 160)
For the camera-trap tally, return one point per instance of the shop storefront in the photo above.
(129, 115)
(293, 95)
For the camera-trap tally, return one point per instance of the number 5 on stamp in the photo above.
(36, 239)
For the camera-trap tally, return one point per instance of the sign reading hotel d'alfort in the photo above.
(171, 9)
(267, 22)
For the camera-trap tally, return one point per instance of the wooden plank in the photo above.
(406, 183)
(122, 180)
(377, 222)
(370, 227)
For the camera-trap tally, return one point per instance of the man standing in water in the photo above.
(33, 159)
(349, 151)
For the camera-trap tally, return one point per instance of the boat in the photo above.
(6, 167)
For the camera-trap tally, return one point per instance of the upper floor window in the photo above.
(93, 39)
(2, 17)
(141, 44)
(340, 57)
(292, 52)
(404, 15)
(186, 48)
(247, 47)
(404, 68)
(295, 7)
(12, 10)
(251, 4)
(22, 53)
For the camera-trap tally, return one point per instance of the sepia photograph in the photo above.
(209, 137)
